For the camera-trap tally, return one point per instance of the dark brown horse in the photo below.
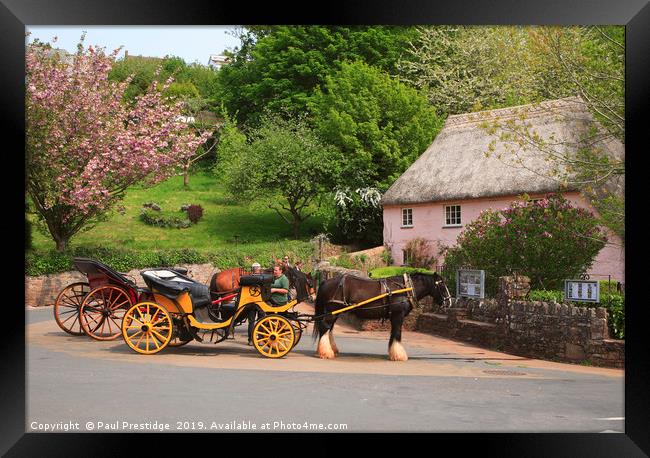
(344, 290)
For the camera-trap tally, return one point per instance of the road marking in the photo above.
(610, 418)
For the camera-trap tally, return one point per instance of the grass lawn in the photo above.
(224, 224)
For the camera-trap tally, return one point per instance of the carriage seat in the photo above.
(172, 284)
(256, 280)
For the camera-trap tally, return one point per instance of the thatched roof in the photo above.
(455, 165)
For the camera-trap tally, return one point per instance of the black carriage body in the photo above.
(174, 286)
(99, 274)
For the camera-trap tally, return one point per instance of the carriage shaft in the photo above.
(372, 299)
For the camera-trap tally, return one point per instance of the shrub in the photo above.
(358, 216)
(160, 219)
(547, 240)
(344, 260)
(152, 205)
(419, 253)
(386, 257)
(391, 271)
(546, 296)
(194, 213)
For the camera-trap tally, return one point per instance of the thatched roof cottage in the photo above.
(470, 167)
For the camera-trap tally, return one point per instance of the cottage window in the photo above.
(407, 217)
(452, 215)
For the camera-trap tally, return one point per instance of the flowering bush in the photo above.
(85, 145)
(547, 240)
(358, 216)
(194, 213)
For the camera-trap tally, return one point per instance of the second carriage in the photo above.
(181, 310)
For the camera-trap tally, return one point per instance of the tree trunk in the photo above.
(186, 177)
(61, 244)
(296, 228)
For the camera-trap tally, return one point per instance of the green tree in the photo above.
(278, 67)
(380, 124)
(285, 166)
(469, 68)
(588, 62)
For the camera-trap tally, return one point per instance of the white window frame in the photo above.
(460, 217)
(411, 214)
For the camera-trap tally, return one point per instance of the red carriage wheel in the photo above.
(66, 307)
(102, 311)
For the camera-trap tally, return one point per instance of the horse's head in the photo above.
(300, 281)
(432, 285)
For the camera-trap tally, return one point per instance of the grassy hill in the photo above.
(225, 225)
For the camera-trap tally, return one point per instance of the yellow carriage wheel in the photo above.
(298, 332)
(147, 328)
(273, 336)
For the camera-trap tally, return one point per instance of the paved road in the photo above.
(444, 387)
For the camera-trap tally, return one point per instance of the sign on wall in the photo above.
(470, 283)
(581, 291)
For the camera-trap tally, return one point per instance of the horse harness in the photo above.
(386, 292)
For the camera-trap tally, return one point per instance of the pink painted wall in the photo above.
(429, 221)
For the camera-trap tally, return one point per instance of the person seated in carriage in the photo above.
(279, 287)
(254, 314)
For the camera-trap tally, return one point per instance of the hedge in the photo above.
(123, 260)
(383, 272)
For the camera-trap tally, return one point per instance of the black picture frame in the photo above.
(634, 14)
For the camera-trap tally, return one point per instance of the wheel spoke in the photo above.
(159, 321)
(75, 320)
(155, 341)
(113, 307)
(133, 318)
(110, 328)
(69, 318)
(88, 315)
(132, 336)
(141, 337)
(162, 338)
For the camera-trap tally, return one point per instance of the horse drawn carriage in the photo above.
(182, 310)
(174, 309)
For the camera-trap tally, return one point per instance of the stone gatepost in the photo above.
(511, 288)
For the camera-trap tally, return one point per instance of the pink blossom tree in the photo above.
(86, 145)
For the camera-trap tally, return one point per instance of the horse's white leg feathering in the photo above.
(325, 348)
(396, 352)
(335, 349)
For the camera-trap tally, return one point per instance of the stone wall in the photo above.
(534, 329)
(42, 290)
